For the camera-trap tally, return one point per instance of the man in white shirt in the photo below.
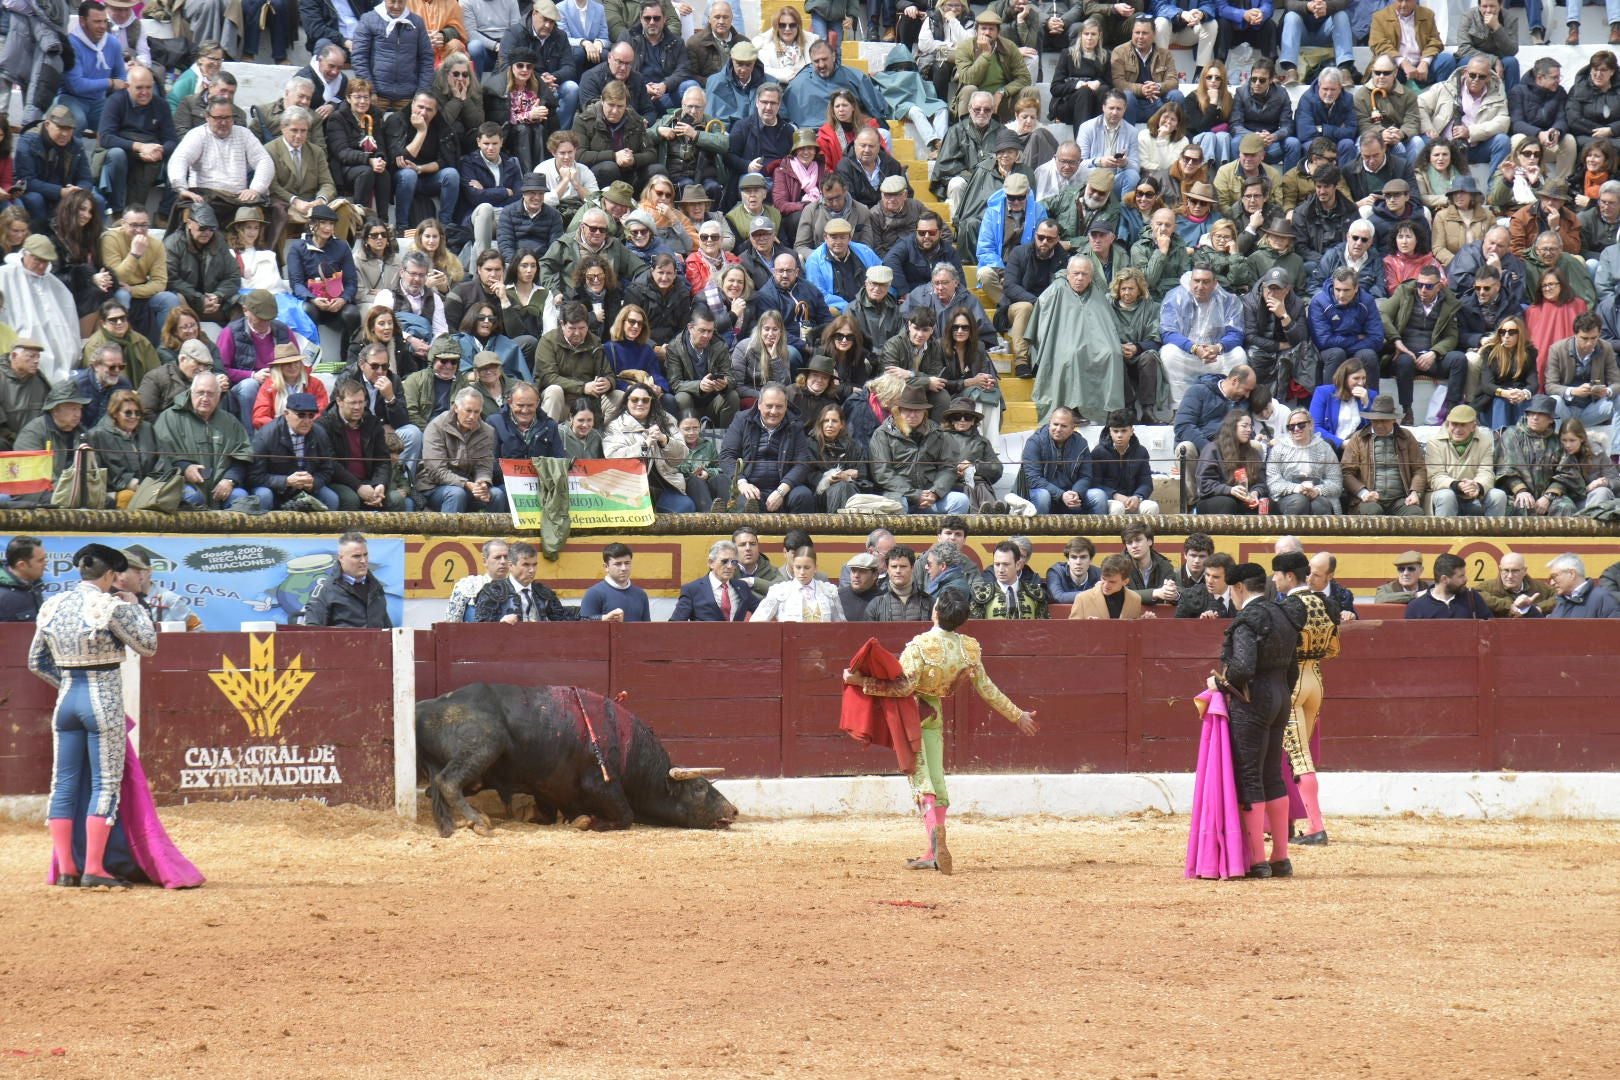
(221, 164)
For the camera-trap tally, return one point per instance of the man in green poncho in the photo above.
(207, 445)
(1075, 345)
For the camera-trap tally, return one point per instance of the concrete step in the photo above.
(1018, 416)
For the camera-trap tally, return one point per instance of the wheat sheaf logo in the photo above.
(262, 695)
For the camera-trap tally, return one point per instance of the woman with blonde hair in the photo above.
(802, 598)
(1084, 73)
(447, 270)
(643, 431)
(784, 48)
(630, 352)
(1040, 145)
(763, 357)
(288, 375)
(1219, 252)
(670, 225)
(1507, 377)
(1209, 114)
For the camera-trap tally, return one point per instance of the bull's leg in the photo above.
(603, 805)
(464, 771)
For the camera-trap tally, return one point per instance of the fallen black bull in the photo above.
(574, 751)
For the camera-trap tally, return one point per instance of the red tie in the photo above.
(725, 601)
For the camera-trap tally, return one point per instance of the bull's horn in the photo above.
(678, 773)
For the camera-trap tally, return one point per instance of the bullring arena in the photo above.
(1461, 921)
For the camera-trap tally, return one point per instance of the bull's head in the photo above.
(700, 802)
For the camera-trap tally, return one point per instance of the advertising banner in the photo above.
(601, 494)
(227, 580)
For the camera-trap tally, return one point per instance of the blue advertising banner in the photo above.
(228, 580)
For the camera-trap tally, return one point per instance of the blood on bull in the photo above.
(573, 751)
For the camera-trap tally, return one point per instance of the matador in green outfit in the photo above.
(932, 663)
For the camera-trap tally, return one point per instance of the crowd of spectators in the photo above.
(489, 229)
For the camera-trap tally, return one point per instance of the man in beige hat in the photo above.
(731, 89)
(838, 267)
(247, 348)
(1250, 165)
(1009, 223)
(895, 215)
(1462, 469)
(1408, 580)
(39, 306)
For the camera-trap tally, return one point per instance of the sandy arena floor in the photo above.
(341, 943)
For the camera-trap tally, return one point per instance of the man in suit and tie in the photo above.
(716, 597)
(518, 597)
(1210, 598)
(303, 178)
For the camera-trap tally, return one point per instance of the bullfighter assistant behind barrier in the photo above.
(933, 661)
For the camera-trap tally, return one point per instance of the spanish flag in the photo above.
(25, 472)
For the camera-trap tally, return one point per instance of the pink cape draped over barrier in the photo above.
(1216, 847)
(148, 841)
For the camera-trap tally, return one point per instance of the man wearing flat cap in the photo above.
(989, 176)
(22, 389)
(838, 267)
(529, 222)
(987, 62)
(60, 428)
(292, 457)
(202, 270)
(1462, 469)
(39, 306)
(49, 162)
(1250, 165)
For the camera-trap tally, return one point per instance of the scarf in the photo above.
(808, 176)
(389, 22)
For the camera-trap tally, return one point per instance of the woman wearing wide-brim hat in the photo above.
(977, 464)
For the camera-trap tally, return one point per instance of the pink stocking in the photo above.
(96, 831)
(1313, 804)
(929, 810)
(1254, 830)
(1277, 815)
(62, 845)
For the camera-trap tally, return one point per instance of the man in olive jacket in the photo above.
(569, 364)
(911, 461)
(698, 369)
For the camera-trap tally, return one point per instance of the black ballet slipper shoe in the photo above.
(96, 881)
(1315, 839)
(67, 881)
(1282, 868)
(1259, 870)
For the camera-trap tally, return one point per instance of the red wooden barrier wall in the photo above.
(762, 699)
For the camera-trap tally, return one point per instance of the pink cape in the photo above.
(1216, 847)
(148, 843)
